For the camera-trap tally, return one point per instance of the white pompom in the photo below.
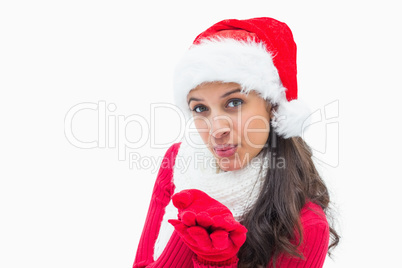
(291, 118)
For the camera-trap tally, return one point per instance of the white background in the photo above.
(64, 206)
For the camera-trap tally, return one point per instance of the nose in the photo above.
(220, 127)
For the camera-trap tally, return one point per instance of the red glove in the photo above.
(207, 226)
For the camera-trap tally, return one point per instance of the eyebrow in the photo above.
(223, 96)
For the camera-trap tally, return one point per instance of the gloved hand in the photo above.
(207, 226)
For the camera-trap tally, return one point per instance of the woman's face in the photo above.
(235, 126)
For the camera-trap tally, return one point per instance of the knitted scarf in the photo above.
(196, 168)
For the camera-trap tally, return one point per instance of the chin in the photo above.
(230, 164)
(230, 168)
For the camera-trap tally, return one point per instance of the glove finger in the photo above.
(182, 230)
(179, 226)
(188, 218)
(203, 219)
(238, 236)
(200, 235)
(174, 222)
(224, 222)
(220, 240)
(182, 199)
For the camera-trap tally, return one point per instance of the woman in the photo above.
(251, 196)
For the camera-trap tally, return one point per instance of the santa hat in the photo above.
(259, 54)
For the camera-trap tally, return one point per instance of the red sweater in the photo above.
(176, 254)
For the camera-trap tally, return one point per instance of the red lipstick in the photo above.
(226, 150)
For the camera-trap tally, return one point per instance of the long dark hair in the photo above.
(274, 218)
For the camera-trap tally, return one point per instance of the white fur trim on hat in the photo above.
(246, 63)
(290, 118)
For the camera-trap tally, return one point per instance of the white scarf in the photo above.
(196, 168)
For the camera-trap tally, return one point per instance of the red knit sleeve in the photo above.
(161, 195)
(314, 246)
(226, 264)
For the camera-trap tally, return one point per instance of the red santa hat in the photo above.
(259, 54)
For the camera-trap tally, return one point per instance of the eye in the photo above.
(235, 103)
(199, 109)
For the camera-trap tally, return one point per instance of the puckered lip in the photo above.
(224, 147)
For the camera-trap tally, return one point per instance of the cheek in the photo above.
(203, 128)
(255, 131)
